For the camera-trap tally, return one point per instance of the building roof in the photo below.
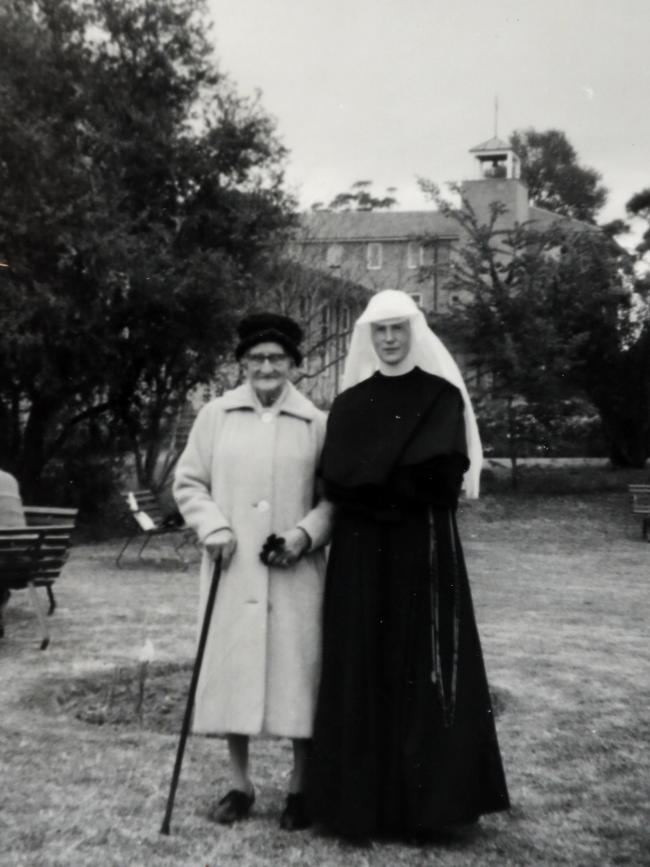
(362, 226)
(319, 226)
(492, 144)
(541, 219)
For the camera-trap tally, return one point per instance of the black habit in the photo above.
(404, 737)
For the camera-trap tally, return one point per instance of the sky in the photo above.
(393, 90)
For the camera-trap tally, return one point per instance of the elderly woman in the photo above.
(248, 472)
(404, 738)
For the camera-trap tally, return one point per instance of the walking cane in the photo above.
(216, 575)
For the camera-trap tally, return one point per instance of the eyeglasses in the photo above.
(257, 359)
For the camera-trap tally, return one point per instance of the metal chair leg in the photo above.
(147, 539)
(118, 559)
(39, 614)
(50, 596)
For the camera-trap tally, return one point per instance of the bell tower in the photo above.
(497, 179)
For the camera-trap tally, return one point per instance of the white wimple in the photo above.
(427, 352)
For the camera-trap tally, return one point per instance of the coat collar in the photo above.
(293, 403)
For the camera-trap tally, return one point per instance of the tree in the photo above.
(548, 316)
(598, 305)
(555, 179)
(639, 206)
(137, 192)
(360, 198)
(498, 315)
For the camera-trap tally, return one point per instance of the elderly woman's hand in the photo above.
(221, 542)
(296, 542)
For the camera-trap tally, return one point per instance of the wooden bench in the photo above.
(150, 522)
(30, 557)
(58, 525)
(640, 505)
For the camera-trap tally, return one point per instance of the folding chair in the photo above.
(149, 522)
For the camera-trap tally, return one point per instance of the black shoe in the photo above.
(232, 807)
(294, 816)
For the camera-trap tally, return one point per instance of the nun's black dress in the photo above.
(404, 739)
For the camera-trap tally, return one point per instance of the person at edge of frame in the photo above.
(11, 516)
(246, 483)
(404, 744)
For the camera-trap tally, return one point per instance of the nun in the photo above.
(404, 740)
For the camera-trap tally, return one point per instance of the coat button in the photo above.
(263, 506)
(267, 417)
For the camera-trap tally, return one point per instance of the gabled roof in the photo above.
(492, 144)
(333, 226)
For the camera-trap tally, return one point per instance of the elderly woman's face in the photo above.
(267, 367)
(391, 339)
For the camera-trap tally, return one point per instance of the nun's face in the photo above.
(391, 339)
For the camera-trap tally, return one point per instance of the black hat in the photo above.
(261, 327)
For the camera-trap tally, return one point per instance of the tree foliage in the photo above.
(549, 316)
(137, 192)
(359, 198)
(639, 206)
(555, 178)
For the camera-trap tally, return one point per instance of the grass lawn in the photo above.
(561, 587)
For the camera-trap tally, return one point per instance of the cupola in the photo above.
(496, 159)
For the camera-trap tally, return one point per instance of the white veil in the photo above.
(427, 351)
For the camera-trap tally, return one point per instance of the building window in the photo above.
(324, 325)
(334, 255)
(426, 254)
(414, 257)
(373, 256)
(444, 251)
(345, 318)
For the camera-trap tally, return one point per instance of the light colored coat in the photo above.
(253, 469)
(11, 504)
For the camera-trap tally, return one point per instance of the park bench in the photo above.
(150, 521)
(58, 525)
(640, 506)
(32, 557)
(18, 553)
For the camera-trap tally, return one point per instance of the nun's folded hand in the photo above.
(221, 542)
(296, 542)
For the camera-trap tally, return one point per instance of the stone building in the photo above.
(412, 250)
(388, 249)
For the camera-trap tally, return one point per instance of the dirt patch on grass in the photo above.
(148, 696)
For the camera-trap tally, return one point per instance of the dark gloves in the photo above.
(272, 545)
